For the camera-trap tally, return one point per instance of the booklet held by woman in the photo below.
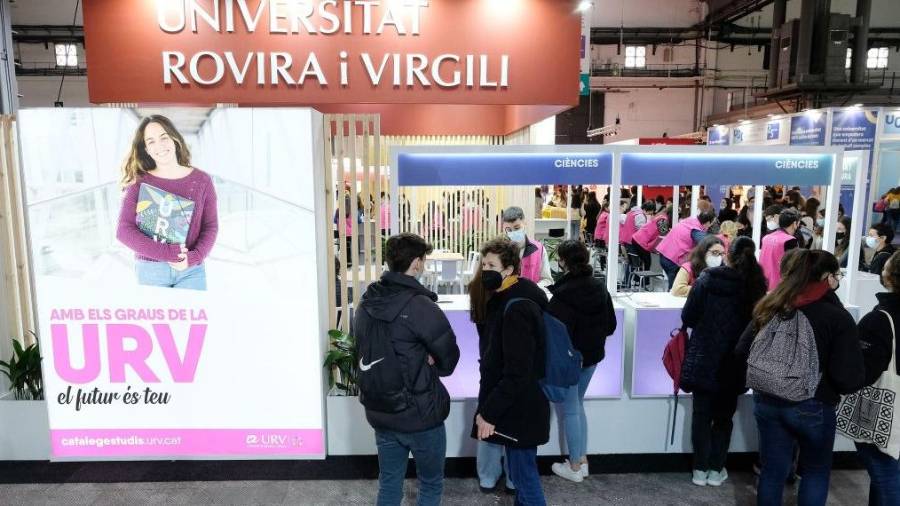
(163, 216)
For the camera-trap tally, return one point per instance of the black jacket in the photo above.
(509, 396)
(717, 312)
(837, 343)
(877, 338)
(418, 328)
(583, 304)
(880, 258)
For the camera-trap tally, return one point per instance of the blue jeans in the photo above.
(524, 471)
(670, 268)
(575, 420)
(490, 464)
(429, 448)
(884, 475)
(163, 275)
(782, 424)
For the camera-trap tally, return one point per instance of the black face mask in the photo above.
(491, 280)
(840, 236)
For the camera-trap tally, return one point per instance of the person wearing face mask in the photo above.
(534, 259)
(709, 253)
(645, 240)
(880, 239)
(805, 300)
(513, 414)
(677, 244)
(404, 399)
(777, 243)
(842, 240)
(635, 220)
(582, 303)
(717, 311)
(877, 333)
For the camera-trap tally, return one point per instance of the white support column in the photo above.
(831, 208)
(848, 294)
(640, 195)
(615, 197)
(569, 213)
(676, 206)
(695, 199)
(758, 222)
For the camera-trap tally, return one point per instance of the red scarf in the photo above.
(812, 293)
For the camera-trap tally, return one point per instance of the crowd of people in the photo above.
(773, 325)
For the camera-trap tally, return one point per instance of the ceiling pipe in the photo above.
(778, 18)
(860, 41)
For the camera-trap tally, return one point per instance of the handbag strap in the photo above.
(893, 365)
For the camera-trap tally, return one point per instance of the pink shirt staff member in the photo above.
(160, 158)
(674, 248)
(777, 243)
(535, 261)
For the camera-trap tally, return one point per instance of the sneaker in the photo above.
(564, 470)
(716, 478)
(700, 478)
(584, 470)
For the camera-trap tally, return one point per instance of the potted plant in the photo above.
(347, 427)
(24, 372)
(23, 411)
(342, 363)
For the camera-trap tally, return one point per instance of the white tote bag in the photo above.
(867, 416)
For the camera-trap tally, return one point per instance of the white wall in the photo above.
(42, 91)
(650, 112)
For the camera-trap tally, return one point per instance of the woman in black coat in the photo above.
(876, 335)
(583, 304)
(512, 409)
(717, 310)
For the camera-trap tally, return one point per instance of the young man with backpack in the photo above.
(405, 344)
(802, 352)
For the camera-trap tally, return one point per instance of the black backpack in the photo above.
(381, 384)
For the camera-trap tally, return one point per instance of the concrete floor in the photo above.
(848, 488)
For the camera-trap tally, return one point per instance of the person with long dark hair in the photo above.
(717, 310)
(581, 302)
(158, 173)
(795, 394)
(842, 240)
(709, 253)
(591, 212)
(512, 411)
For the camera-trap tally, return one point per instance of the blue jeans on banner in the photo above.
(163, 275)
(490, 464)
(429, 449)
(809, 424)
(574, 417)
(884, 475)
(670, 268)
(523, 466)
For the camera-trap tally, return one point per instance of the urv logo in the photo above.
(892, 122)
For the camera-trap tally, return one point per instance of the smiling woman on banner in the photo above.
(168, 215)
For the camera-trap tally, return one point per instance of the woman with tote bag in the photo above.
(866, 416)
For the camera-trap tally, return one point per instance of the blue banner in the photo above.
(773, 130)
(854, 129)
(808, 129)
(726, 169)
(737, 136)
(718, 136)
(485, 169)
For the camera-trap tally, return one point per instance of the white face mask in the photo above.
(772, 225)
(516, 236)
(871, 242)
(622, 219)
(713, 261)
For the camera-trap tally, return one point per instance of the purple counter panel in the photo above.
(463, 383)
(652, 329)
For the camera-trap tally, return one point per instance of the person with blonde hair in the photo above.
(158, 175)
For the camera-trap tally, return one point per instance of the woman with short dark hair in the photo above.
(581, 302)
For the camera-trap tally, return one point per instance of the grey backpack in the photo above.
(784, 360)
